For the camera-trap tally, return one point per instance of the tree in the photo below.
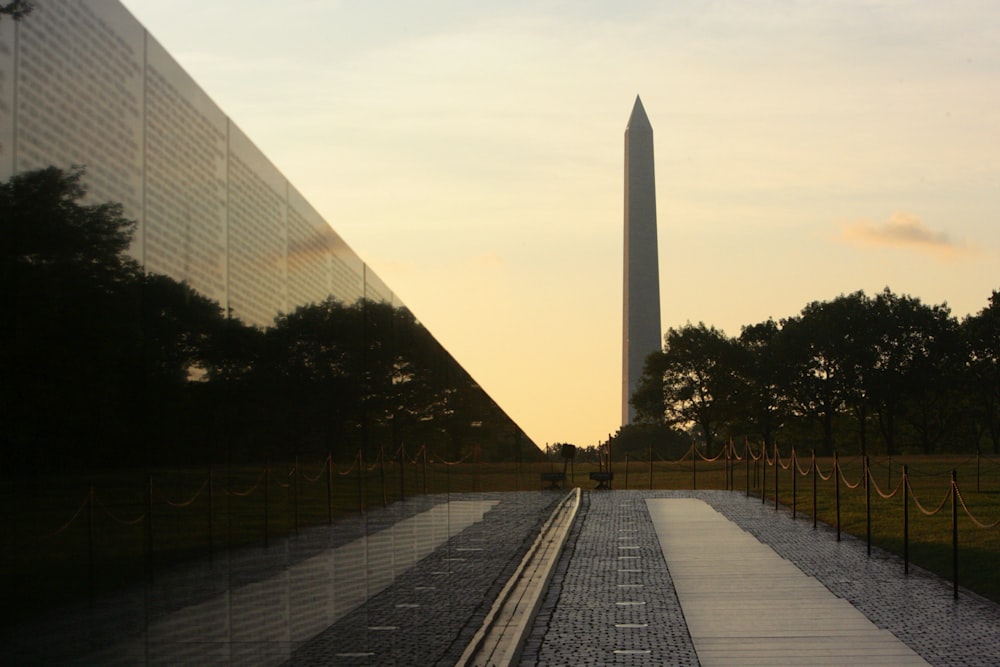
(17, 9)
(814, 347)
(759, 395)
(691, 382)
(67, 336)
(982, 337)
(914, 346)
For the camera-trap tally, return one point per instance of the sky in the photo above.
(472, 154)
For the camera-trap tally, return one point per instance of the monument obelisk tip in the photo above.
(638, 120)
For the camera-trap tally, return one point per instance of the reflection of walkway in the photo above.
(263, 622)
(745, 605)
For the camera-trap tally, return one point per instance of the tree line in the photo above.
(873, 374)
(103, 364)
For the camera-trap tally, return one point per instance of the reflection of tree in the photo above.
(105, 365)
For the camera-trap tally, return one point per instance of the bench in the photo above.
(555, 479)
(603, 479)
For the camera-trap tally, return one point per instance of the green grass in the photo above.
(57, 547)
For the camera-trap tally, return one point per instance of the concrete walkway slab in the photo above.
(745, 605)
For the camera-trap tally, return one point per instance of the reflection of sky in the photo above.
(261, 623)
(471, 153)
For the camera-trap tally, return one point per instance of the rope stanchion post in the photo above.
(978, 460)
(954, 534)
(813, 471)
(361, 484)
(402, 471)
(795, 485)
(425, 469)
(836, 487)
(626, 472)
(295, 496)
(763, 473)
(91, 583)
(329, 488)
(650, 467)
(381, 468)
(211, 515)
(777, 467)
(149, 528)
(868, 503)
(694, 467)
(267, 501)
(746, 457)
(729, 466)
(906, 520)
(734, 459)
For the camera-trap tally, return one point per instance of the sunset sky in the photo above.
(472, 154)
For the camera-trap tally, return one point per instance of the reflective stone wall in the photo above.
(83, 83)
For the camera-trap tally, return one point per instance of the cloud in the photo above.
(903, 230)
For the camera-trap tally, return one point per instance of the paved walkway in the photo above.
(746, 605)
(614, 598)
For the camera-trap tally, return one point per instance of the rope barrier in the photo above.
(920, 507)
(777, 457)
(807, 471)
(736, 454)
(889, 496)
(455, 463)
(320, 475)
(819, 471)
(69, 523)
(125, 522)
(244, 494)
(354, 464)
(711, 460)
(968, 513)
(185, 503)
(848, 484)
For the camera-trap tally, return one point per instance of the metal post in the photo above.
(295, 497)
(815, 510)
(795, 485)
(402, 466)
(906, 520)
(149, 527)
(763, 473)
(626, 472)
(425, 469)
(954, 534)
(329, 487)
(267, 499)
(836, 486)
(777, 468)
(746, 457)
(651, 467)
(361, 484)
(868, 505)
(91, 584)
(381, 464)
(211, 511)
(694, 467)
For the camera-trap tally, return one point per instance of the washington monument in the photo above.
(641, 333)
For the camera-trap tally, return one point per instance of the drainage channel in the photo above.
(500, 639)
